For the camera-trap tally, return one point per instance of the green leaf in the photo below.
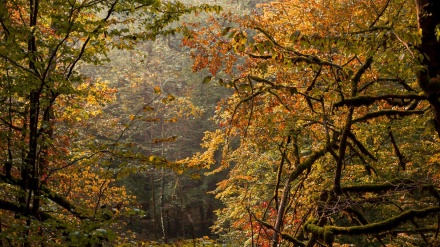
(207, 79)
(225, 31)
(295, 35)
(293, 90)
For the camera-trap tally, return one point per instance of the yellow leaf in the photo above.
(171, 97)
(148, 108)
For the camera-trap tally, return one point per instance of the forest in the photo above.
(219, 123)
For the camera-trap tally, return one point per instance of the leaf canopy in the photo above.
(330, 105)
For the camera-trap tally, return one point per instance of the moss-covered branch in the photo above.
(402, 160)
(13, 207)
(361, 147)
(22, 210)
(342, 149)
(413, 231)
(394, 184)
(358, 75)
(328, 232)
(307, 164)
(63, 202)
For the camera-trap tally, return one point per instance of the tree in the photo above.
(164, 67)
(57, 182)
(330, 98)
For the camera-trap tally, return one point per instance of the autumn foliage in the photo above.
(331, 136)
(61, 163)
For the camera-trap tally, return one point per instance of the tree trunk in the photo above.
(154, 206)
(428, 16)
(202, 218)
(162, 207)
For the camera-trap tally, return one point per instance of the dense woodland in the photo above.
(219, 123)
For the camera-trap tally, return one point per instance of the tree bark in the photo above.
(428, 17)
(162, 207)
(153, 195)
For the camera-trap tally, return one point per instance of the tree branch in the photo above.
(402, 161)
(54, 197)
(283, 235)
(394, 184)
(21, 209)
(388, 113)
(361, 147)
(328, 232)
(307, 163)
(368, 100)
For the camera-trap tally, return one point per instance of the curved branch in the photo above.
(357, 76)
(368, 100)
(342, 150)
(388, 113)
(307, 164)
(283, 235)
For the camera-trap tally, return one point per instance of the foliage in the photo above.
(59, 182)
(204, 241)
(167, 111)
(331, 136)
